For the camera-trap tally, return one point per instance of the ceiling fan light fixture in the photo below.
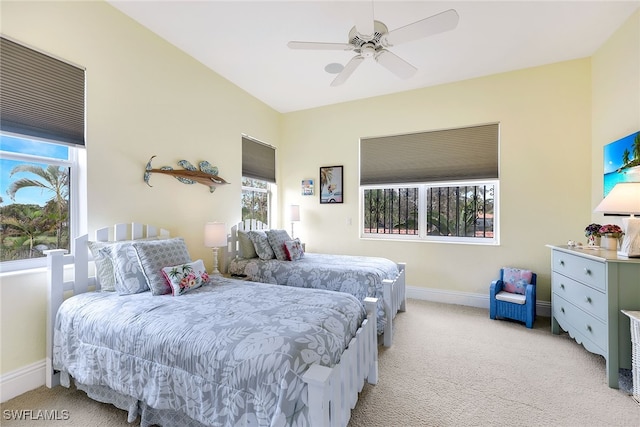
(334, 68)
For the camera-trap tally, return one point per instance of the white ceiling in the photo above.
(246, 41)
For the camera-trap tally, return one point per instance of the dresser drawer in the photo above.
(589, 299)
(583, 270)
(582, 323)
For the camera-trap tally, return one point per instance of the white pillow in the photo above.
(186, 277)
(247, 250)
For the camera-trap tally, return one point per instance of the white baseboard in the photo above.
(22, 380)
(543, 308)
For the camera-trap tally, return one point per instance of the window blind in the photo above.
(258, 160)
(444, 155)
(40, 96)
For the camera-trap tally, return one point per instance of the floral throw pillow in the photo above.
(186, 277)
(261, 243)
(516, 280)
(293, 249)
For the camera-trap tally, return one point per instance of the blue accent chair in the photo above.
(507, 305)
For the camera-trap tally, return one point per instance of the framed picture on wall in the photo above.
(622, 161)
(331, 184)
(307, 187)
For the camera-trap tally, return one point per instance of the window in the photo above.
(258, 179)
(255, 199)
(39, 195)
(42, 155)
(435, 186)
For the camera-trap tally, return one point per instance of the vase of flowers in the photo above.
(611, 234)
(592, 231)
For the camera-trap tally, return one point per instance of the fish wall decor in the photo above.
(207, 175)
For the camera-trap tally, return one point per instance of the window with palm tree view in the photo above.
(255, 199)
(34, 199)
(452, 212)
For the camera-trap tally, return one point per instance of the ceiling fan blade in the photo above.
(319, 46)
(348, 70)
(435, 24)
(395, 64)
(364, 21)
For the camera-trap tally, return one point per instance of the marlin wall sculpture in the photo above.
(207, 175)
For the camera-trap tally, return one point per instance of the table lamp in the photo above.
(624, 198)
(215, 236)
(294, 213)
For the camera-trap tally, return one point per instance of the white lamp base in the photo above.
(215, 261)
(630, 246)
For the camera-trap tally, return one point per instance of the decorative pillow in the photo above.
(261, 244)
(155, 255)
(247, 250)
(104, 266)
(186, 277)
(516, 280)
(294, 250)
(276, 240)
(104, 262)
(129, 278)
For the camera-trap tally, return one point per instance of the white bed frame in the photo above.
(332, 392)
(393, 291)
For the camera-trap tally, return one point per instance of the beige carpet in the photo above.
(449, 366)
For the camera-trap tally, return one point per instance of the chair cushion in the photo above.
(516, 280)
(510, 297)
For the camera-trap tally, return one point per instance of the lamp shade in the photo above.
(624, 198)
(295, 212)
(215, 234)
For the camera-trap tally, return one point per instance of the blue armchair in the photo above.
(513, 296)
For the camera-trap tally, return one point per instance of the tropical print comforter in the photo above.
(229, 353)
(360, 276)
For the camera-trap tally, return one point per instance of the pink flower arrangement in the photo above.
(611, 230)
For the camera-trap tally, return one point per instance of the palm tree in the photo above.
(326, 175)
(625, 157)
(25, 222)
(54, 179)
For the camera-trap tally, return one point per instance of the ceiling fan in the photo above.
(370, 39)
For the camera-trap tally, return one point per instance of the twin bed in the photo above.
(360, 276)
(228, 352)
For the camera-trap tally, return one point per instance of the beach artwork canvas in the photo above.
(622, 161)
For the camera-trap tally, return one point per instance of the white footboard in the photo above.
(394, 300)
(333, 392)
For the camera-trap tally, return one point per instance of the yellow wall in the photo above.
(545, 158)
(146, 98)
(616, 99)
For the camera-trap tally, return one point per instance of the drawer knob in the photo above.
(588, 299)
(561, 285)
(587, 272)
(562, 309)
(589, 328)
(562, 263)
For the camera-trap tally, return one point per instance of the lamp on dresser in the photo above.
(624, 199)
(215, 236)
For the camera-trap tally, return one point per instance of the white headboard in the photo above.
(233, 248)
(57, 259)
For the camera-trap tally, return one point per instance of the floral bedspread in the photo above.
(360, 276)
(229, 352)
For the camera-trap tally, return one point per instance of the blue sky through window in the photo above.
(25, 146)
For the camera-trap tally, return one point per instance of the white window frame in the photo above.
(269, 191)
(422, 235)
(77, 164)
